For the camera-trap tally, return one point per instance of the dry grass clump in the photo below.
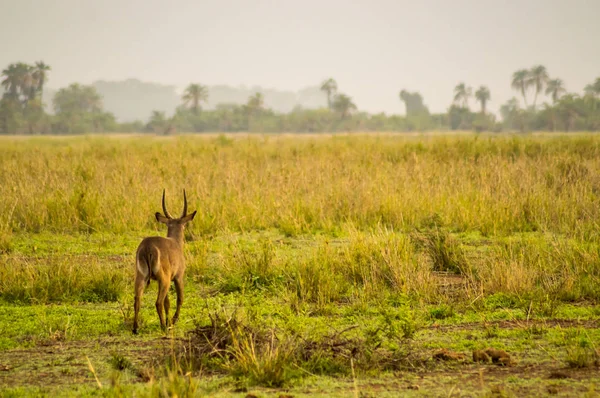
(62, 279)
(270, 357)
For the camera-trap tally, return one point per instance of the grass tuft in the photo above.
(61, 279)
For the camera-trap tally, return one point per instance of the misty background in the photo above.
(140, 55)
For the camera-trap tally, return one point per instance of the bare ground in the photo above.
(64, 364)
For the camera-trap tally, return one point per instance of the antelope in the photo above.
(162, 259)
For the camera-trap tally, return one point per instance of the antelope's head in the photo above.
(175, 226)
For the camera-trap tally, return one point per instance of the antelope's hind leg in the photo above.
(140, 284)
(167, 307)
(163, 290)
(179, 290)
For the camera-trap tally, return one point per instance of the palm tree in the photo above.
(413, 103)
(405, 97)
(40, 75)
(26, 81)
(538, 77)
(329, 87)
(483, 96)
(11, 82)
(521, 82)
(194, 94)
(256, 103)
(343, 105)
(462, 94)
(18, 81)
(555, 88)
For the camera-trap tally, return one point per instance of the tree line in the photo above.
(79, 109)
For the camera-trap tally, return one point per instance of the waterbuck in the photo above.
(161, 259)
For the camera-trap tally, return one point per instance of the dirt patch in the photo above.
(515, 324)
(558, 374)
(65, 363)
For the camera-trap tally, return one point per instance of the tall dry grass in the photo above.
(495, 185)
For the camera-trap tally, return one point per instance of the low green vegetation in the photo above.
(332, 266)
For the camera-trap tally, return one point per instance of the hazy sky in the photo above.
(373, 48)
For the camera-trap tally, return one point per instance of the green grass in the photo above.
(326, 266)
(396, 330)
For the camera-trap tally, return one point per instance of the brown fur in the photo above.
(161, 259)
(499, 357)
(446, 355)
(480, 356)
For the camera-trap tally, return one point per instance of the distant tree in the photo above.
(255, 103)
(20, 106)
(462, 93)
(28, 83)
(11, 116)
(555, 88)
(509, 107)
(35, 118)
(40, 75)
(18, 82)
(483, 96)
(343, 105)
(570, 110)
(77, 98)
(158, 122)
(413, 103)
(521, 82)
(549, 115)
(589, 90)
(460, 117)
(593, 89)
(79, 110)
(195, 94)
(11, 82)
(329, 87)
(231, 117)
(538, 77)
(512, 115)
(591, 95)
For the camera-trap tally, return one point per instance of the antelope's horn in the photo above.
(184, 205)
(165, 207)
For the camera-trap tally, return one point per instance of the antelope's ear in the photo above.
(188, 218)
(161, 218)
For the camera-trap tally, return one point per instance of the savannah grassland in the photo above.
(317, 266)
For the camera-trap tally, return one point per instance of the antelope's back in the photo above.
(156, 252)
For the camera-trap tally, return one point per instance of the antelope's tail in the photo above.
(148, 263)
